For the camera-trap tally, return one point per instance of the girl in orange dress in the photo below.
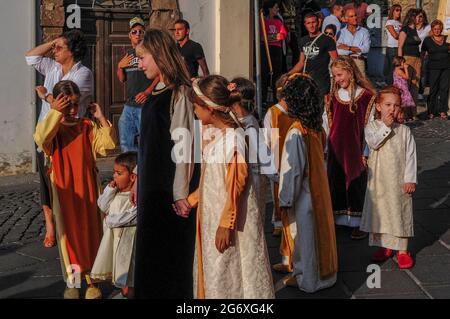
(72, 145)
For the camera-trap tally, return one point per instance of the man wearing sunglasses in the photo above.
(138, 89)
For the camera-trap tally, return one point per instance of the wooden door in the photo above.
(107, 35)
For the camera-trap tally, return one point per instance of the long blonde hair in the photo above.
(167, 57)
(357, 78)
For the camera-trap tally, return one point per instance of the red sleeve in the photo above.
(283, 32)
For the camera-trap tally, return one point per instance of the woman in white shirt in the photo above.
(393, 27)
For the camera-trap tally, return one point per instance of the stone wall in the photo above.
(52, 18)
(430, 7)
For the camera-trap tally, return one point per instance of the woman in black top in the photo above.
(438, 68)
(408, 47)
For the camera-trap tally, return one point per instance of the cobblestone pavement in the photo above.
(27, 270)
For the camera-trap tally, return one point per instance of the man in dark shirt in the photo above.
(191, 51)
(316, 51)
(138, 89)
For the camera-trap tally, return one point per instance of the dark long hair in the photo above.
(76, 43)
(68, 88)
(410, 17)
(304, 101)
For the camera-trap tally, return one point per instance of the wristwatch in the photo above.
(46, 95)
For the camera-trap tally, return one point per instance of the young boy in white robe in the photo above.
(304, 192)
(115, 257)
(388, 210)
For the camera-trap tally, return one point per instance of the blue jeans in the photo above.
(129, 128)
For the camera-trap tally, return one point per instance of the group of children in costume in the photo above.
(351, 157)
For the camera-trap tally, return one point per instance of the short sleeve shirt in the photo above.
(192, 52)
(318, 59)
(412, 43)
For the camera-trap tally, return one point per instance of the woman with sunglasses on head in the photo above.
(68, 51)
(393, 27)
(138, 89)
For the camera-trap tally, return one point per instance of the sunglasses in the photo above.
(137, 32)
(398, 10)
(58, 48)
(331, 34)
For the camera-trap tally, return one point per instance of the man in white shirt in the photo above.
(354, 40)
(68, 50)
(335, 18)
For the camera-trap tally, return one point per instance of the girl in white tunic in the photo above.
(115, 257)
(304, 191)
(388, 211)
(231, 259)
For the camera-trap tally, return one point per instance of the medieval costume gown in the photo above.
(226, 197)
(304, 191)
(115, 257)
(164, 241)
(346, 172)
(388, 211)
(278, 118)
(72, 149)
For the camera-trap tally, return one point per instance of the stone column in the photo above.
(52, 19)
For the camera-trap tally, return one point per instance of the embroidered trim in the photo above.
(347, 213)
(369, 109)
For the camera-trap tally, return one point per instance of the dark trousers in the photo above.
(44, 182)
(276, 54)
(388, 71)
(438, 98)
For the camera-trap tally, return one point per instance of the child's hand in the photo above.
(409, 188)
(133, 193)
(61, 103)
(182, 208)
(96, 111)
(388, 119)
(364, 161)
(224, 239)
(112, 184)
(41, 91)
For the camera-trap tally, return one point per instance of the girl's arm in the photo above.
(236, 180)
(391, 30)
(401, 43)
(403, 73)
(46, 131)
(411, 160)
(104, 136)
(376, 134)
(293, 163)
(193, 198)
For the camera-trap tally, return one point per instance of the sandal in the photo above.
(444, 116)
(49, 241)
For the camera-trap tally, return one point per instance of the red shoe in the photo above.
(405, 261)
(382, 254)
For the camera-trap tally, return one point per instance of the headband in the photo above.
(215, 106)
